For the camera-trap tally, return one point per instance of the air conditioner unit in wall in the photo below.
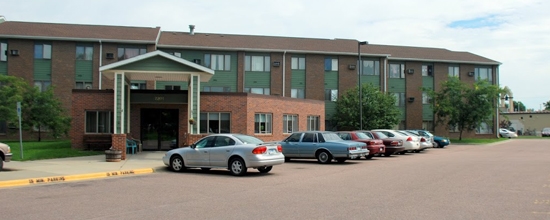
(197, 61)
(410, 71)
(471, 73)
(109, 56)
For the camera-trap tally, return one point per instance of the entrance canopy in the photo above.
(155, 66)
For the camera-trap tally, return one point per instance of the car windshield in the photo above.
(380, 134)
(362, 135)
(331, 137)
(546, 129)
(248, 139)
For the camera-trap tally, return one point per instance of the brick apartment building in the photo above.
(124, 80)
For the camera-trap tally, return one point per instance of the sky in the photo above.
(515, 33)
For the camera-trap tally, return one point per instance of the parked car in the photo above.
(410, 142)
(438, 141)
(545, 132)
(5, 155)
(505, 133)
(235, 152)
(323, 146)
(393, 145)
(425, 143)
(375, 146)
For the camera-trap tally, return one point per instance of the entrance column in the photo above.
(120, 107)
(193, 105)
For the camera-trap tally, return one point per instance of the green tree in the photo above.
(466, 107)
(379, 110)
(547, 106)
(39, 110)
(518, 106)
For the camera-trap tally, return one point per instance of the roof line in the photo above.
(444, 61)
(76, 39)
(108, 67)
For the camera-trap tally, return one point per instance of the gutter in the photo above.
(284, 70)
(444, 61)
(158, 38)
(77, 39)
(100, 61)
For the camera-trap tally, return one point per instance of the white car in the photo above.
(410, 142)
(505, 133)
(235, 152)
(425, 142)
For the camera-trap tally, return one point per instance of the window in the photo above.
(428, 125)
(42, 51)
(370, 67)
(3, 127)
(215, 122)
(262, 123)
(401, 125)
(218, 61)
(216, 89)
(484, 73)
(290, 123)
(42, 85)
(310, 137)
(397, 70)
(129, 52)
(331, 95)
(484, 128)
(427, 70)
(84, 52)
(330, 64)
(172, 87)
(313, 123)
(399, 99)
(98, 122)
(263, 91)
(453, 128)
(84, 85)
(3, 51)
(138, 85)
(257, 63)
(177, 54)
(297, 93)
(426, 99)
(298, 63)
(454, 71)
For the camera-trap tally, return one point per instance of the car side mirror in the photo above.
(192, 146)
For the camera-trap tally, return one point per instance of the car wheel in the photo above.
(176, 163)
(265, 169)
(205, 169)
(237, 167)
(287, 159)
(1, 164)
(324, 157)
(368, 157)
(387, 154)
(341, 160)
(436, 144)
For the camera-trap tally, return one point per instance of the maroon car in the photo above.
(393, 145)
(375, 146)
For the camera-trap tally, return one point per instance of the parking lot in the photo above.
(507, 180)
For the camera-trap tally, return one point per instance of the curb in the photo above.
(55, 179)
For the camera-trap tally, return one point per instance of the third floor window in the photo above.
(84, 52)
(42, 51)
(129, 52)
(218, 61)
(331, 64)
(257, 63)
(298, 63)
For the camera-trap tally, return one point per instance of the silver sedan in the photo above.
(235, 152)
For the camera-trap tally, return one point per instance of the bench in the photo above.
(98, 142)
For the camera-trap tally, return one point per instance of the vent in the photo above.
(110, 56)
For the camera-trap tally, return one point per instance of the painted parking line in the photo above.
(54, 179)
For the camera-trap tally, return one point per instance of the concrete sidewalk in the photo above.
(19, 173)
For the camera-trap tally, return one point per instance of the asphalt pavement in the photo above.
(21, 173)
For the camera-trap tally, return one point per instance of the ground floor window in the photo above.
(84, 85)
(263, 91)
(297, 93)
(484, 128)
(3, 127)
(99, 122)
(42, 85)
(290, 123)
(216, 89)
(138, 85)
(428, 125)
(215, 122)
(262, 123)
(172, 87)
(313, 122)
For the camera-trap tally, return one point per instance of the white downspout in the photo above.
(100, 61)
(244, 71)
(385, 74)
(284, 68)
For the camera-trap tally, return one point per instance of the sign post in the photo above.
(20, 132)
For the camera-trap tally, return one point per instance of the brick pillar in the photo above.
(119, 143)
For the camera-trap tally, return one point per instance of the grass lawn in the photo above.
(476, 140)
(34, 150)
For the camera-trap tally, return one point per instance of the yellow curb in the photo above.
(52, 179)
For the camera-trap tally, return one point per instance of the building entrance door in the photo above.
(159, 129)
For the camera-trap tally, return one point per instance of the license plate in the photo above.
(272, 151)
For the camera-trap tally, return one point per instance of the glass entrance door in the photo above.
(159, 129)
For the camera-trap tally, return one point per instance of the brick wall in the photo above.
(276, 74)
(315, 77)
(413, 85)
(22, 65)
(94, 100)
(347, 79)
(63, 71)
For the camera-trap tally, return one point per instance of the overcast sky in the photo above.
(513, 32)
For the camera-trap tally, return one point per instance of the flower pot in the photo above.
(113, 155)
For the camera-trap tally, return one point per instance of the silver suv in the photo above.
(5, 154)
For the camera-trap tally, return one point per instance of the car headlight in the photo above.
(9, 149)
(444, 140)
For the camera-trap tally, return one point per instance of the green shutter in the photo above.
(3, 68)
(298, 79)
(373, 80)
(427, 112)
(396, 85)
(331, 80)
(84, 70)
(257, 80)
(42, 69)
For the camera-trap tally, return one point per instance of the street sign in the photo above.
(19, 109)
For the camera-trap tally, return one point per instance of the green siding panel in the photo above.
(195, 105)
(157, 63)
(118, 107)
(160, 85)
(42, 69)
(403, 112)
(373, 80)
(330, 109)
(427, 113)
(428, 82)
(257, 80)
(84, 70)
(223, 78)
(298, 79)
(331, 80)
(396, 85)
(3, 68)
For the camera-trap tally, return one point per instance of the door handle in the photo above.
(227, 150)
(205, 151)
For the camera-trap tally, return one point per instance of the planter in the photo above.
(113, 155)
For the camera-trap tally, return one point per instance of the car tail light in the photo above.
(409, 138)
(260, 150)
(365, 147)
(394, 143)
(352, 148)
(279, 148)
(422, 140)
